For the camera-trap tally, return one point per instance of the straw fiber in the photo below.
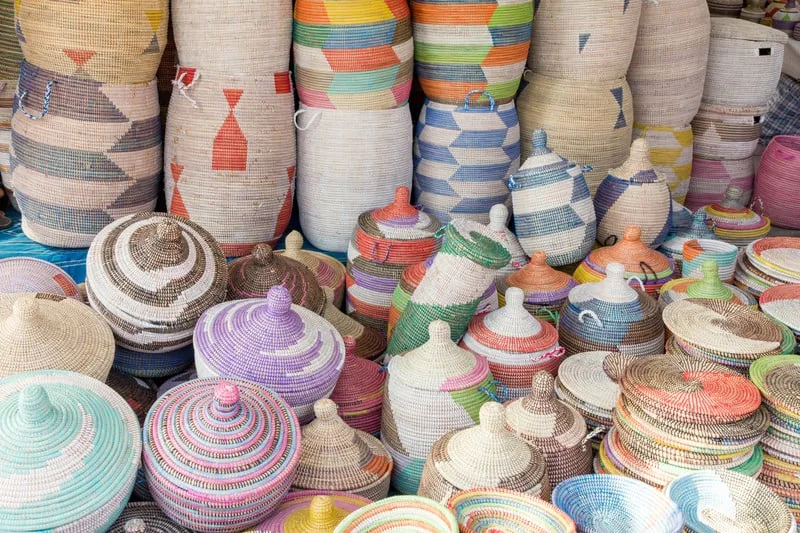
(671, 151)
(487, 510)
(10, 52)
(359, 391)
(410, 513)
(330, 272)
(778, 181)
(727, 133)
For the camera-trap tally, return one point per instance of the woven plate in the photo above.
(27, 274)
(493, 510)
(777, 256)
(593, 377)
(783, 304)
(778, 379)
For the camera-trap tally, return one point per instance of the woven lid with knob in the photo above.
(144, 517)
(637, 168)
(498, 220)
(311, 511)
(591, 380)
(542, 159)
(369, 342)
(28, 274)
(733, 221)
(709, 286)
(638, 259)
(613, 288)
(541, 283)
(359, 390)
(398, 221)
(328, 271)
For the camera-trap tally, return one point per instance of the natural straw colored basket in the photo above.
(671, 152)
(10, 52)
(484, 510)
(28, 274)
(329, 271)
(410, 513)
(711, 178)
(778, 181)
(369, 343)
(143, 517)
(359, 391)
(311, 511)
(727, 133)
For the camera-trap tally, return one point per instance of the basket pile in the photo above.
(782, 304)
(28, 274)
(671, 150)
(733, 222)
(672, 247)
(359, 391)
(768, 262)
(708, 286)
(777, 183)
(311, 511)
(329, 271)
(369, 343)
(485, 510)
(697, 251)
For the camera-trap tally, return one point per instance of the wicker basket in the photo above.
(697, 251)
(727, 133)
(143, 517)
(708, 286)
(590, 122)
(498, 225)
(28, 274)
(671, 150)
(672, 247)
(10, 52)
(735, 223)
(84, 154)
(777, 182)
(782, 304)
(711, 178)
(411, 513)
(464, 155)
(328, 142)
(485, 510)
(139, 394)
(329, 271)
(311, 511)
(369, 343)
(148, 365)
(359, 391)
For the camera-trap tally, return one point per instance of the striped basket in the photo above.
(28, 274)
(727, 133)
(464, 155)
(411, 513)
(671, 152)
(431, 390)
(10, 52)
(148, 365)
(486, 510)
(634, 194)
(708, 286)
(498, 225)
(697, 251)
(359, 391)
(300, 359)
(8, 89)
(369, 343)
(735, 223)
(778, 180)
(227, 164)
(311, 511)
(94, 40)
(329, 271)
(672, 247)
(328, 141)
(452, 287)
(353, 54)
(84, 154)
(144, 516)
(711, 178)
(462, 45)
(590, 122)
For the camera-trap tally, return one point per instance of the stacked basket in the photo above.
(697, 251)
(733, 222)
(369, 343)
(782, 304)
(777, 180)
(768, 262)
(707, 286)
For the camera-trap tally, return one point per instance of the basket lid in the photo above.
(360, 379)
(328, 271)
(139, 394)
(778, 379)
(399, 220)
(476, 242)
(732, 215)
(145, 517)
(541, 282)
(49, 332)
(312, 511)
(709, 286)
(413, 512)
(638, 259)
(593, 377)
(498, 218)
(369, 342)
(28, 274)
(637, 168)
(542, 159)
(64, 435)
(254, 275)
(734, 28)
(613, 288)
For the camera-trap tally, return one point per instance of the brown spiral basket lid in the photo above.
(329, 271)
(139, 394)
(370, 343)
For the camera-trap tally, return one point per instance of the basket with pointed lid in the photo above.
(220, 455)
(672, 247)
(329, 271)
(407, 513)
(651, 267)
(430, 390)
(271, 341)
(498, 225)
(634, 193)
(697, 251)
(734, 222)
(545, 288)
(49, 332)
(71, 446)
(359, 391)
(515, 344)
(311, 511)
(610, 315)
(254, 275)
(151, 276)
(335, 456)
(28, 274)
(487, 455)
(144, 517)
(553, 211)
(709, 286)
(370, 343)
(553, 427)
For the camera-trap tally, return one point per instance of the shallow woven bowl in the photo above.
(500, 510)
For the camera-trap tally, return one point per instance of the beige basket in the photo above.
(727, 133)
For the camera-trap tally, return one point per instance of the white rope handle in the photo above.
(183, 87)
(299, 112)
(638, 279)
(592, 434)
(589, 312)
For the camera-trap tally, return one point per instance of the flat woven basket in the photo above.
(711, 178)
(311, 511)
(412, 513)
(28, 274)
(482, 510)
(359, 391)
(726, 133)
(708, 286)
(329, 271)
(671, 151)
(144, 517)
(369, 343)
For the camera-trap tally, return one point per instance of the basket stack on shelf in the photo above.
(708, 286)
(777, 185)
(768, 262)
(733, 222)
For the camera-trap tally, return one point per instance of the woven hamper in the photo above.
(727, 133)
(28, 274)
(488, 510)
(348, 162)
(330, 272)
(10, 52)
(359, 391)
(311, 511)
(464, 155)
(589, 122)
(228, 163)
(84, 154)
(369, 343)
(671, 151)
(711, 178)
(778, 181)
(144, 517)
(411, 513)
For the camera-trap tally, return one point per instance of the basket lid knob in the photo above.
(539, 139)
(498, 215)
(135, 525)
(439, 332)
(515, 297)
(710, 269)
(26, 310)
(226, 399)
(34, 405)
(492, 417)
(321, 514)
(615, 271)
(279, 300)
(294, 241)
(542, 386)
(402, 196)
(349, 346)
(699, 220)
(632, 234)
(326, 410)
(539, 258)
(168, 231)
(263, 254)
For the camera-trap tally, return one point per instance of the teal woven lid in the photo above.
(69, 450)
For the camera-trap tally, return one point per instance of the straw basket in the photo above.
(461, 45)
(498, 225)
(412, 513)
(464, 155)
(359, 391)
(144, 516)
(697, 251)
(672, 247)
(710, 179)
(166, 73)
(369, 343)
(778, 181)
(708, 286)
(28, 274)
(594, 42)
(85, 154)
(671, 150)
(727, 133)
(330, 272)
(10, 52)
(735, 223)
(228, 164)
(589, 122)
(329, 142)
(485, 510)
(148, 365)
(311, 511)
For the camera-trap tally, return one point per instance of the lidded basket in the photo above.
(369, 343)
(329, 271)
(282, 346)
(672, 247)
(709, 287)
(311, 511)
(359, 391)
(498, 226)
(410, 513)
(28, 274)
(139, 394)
(733, 222)
(144, 517)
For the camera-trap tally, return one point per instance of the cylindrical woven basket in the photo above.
(589, 122)
(144, 517)
(778, 180)
(85, 153)
(671, 150)
(711, 178)
(351, 54)
(329, 271)
(727, 133)
(735, 223)
(413, 513)
(369, 343)
(672, 247)
(329, 143)
(10, 52)
(706, 284)
(311, 511)
(464, 155)
(28, 274)
(359, 391)
(228, 163)
(498, 226)
(697, 251)
(484, 510)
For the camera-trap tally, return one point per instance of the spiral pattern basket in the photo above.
(782, 304)
(329, 271)
(464, 154)
(697, 251)
(710, 179)
(776, 184)
(776, 257)
(359, 391)
(227, 164)
(484, 510)
(28, 274)
(431, 390)
(352, 54)
(84, 153)
(727, 133)
(65, 436)
(672, 247)
(311, 511)
(708, 285)
(270, 341)
(368, 343)
(192, 474)
(734, 223)
(411, 513)
(140, 517)
(671, 151)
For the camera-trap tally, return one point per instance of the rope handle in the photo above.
(553, 316)
(589, 312)
(375, 249)
(592, 434)
(502, 390)
(482, 93)
(760, 205)
(526, 73)
(299, 112)
(643, 266)
(492, 396)
(612, 238)
(183, 87)
(638, 279)
(45, 102)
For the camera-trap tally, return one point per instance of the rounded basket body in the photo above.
(671, 150)
(777, 184)
(727, 133)
(710, 179)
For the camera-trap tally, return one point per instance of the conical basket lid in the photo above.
(398, 221)
(540, 282)
(498, 218)
(613, 288)
(361, 382)
(370, 343)
(312, 511)
(542, 159)
(328, 271)
(637, 258)
(637, 168)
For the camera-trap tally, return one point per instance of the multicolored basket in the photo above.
(727, 133)
(66, 437)
(409, 512)
(634, 192)
(672, 247)
(311, 511)
(28, 274)
(460, 46)
(369, 343)
(498, 225)
(710, 179)
(142, 517)
(553, 211)
(708, 286)
(681, 217)
(270, 341)
(776, 183)
(782, 304)
(220, 455)
(696, 252)
(329, 271)
(484, 510)
(776, 257)
(353, 54)
(227, 165)
(464, 154)
(671, 151)
(735, 223)
(359, 391)
(431, 390)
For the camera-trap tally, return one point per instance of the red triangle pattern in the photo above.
(229, 150)
(79, 57)
(176, 206)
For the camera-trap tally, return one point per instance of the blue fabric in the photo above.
(783, 117)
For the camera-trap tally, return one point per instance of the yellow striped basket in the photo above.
(671, 152)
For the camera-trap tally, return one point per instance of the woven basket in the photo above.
(553, 212)
(697, 251)
(776, 257)
(710, 179)
(431, 390)
(139, 394)
(359, 391)
(485, 510)
(151, 276)
(782, 304)
(498, 225)
(707, 285)
(453, 285)
(28, 274)
(734, 223)
(10, 52)
(71, 449)
(285, 347)
(311, 511)
(353, 55)
(681, 217)
(369, 343)
(143, 517)
(671, 150)
(411, 513)
(727, 133)
(329, 271)
(148, 365)
(634, 193)
(254, 275)
(228, 164)
(553, 427)
(464, 154)
(117, 43)
(328, 142)
(672, 247)
(84, 154)
(515, 344)
(590, 122)
(176, 380)
(777, 181)
(594, 42)
(668, 67)
(488, 455)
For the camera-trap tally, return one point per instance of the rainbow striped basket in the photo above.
(735, 223)
(28, 274)
(483, 510)
(411, 513)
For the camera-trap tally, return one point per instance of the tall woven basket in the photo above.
(84, 154)
(228, 165)
(464, 155)
(778, 181)
(671, 151)
(348, 162)
(10, 52)
(726, 133)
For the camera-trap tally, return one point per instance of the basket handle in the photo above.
(492, 396)
(612, 238)
(760, 205)
(310, 122)
(644, 267)
(481, 92)
(548, 312)
(638, 279)
(592, 434)
(592, 314)
(182, 87)
(45, 102)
